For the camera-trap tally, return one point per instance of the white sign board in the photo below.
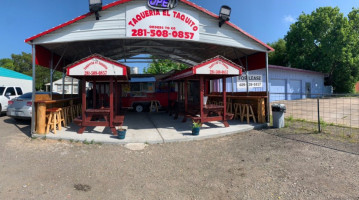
(142, 22)
(96, 67)
(217, 67)
(254, 81)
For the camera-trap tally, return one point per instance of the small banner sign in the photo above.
(254, 81)
(167, 24)
(218, 67)
(96, 67)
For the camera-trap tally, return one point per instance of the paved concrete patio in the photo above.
(152, 128)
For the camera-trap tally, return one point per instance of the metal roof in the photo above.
(12, 74)
(294, 69)
(116, 3)
(79, 38)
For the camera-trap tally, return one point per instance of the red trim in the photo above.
(186, 73)
(229, 23)
(125, 1)
(75, 20)
(124, 67)
(214, 60)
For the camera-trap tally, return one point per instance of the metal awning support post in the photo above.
(247, 75)
(51, 73)
(63, 84)
(267, 89)
(33, 117)
(185, 95)
(224, 102)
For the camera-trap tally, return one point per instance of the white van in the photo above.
(7, 93)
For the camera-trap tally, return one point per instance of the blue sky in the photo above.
(267, 20)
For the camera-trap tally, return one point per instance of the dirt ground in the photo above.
(265, 164)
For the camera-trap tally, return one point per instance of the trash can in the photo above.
(278, 111)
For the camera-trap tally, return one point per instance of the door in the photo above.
(308, 90)
(277, 89)
(294, 89)
(8, 94)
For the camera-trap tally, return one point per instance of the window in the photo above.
(2, 90)
(59, 88)
(75, 89)
(18, 90)
(135, 87)
(10, 90)
(66, 89)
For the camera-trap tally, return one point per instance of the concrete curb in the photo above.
(108, 139)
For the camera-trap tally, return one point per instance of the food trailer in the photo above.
(143, 89)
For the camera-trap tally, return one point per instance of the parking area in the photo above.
(265, 164)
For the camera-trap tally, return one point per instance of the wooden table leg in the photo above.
(81, 130)
(114, 132)
(41, 118)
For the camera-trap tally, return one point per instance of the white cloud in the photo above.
(289, 19)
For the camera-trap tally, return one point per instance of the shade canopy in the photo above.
(128, 28)
(215, 68)
(97, 66)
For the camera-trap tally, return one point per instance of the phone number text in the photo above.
(161, 33)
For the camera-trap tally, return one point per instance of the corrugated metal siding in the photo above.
(291, 79)
(112, 25)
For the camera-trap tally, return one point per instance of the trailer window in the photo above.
(135, 87)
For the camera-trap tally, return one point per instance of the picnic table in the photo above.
(99, 117)
(211, 112)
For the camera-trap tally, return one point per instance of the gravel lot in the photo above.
(267, 164)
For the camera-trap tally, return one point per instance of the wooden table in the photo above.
(89, 120)
(257, 101)
(207, 111)
(41, 106)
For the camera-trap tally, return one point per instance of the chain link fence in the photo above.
(333, 114)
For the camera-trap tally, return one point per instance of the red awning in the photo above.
(216, 67)
(97, 66)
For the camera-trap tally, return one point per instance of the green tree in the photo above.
(162, 66)
(7, 63)
(22, 63)
(279, 56)
(322, 41)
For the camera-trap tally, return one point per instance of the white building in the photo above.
(285, 83)
(71, 86)
(16, 79)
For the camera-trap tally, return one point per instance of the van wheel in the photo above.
(139, 108)
(0, 110)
